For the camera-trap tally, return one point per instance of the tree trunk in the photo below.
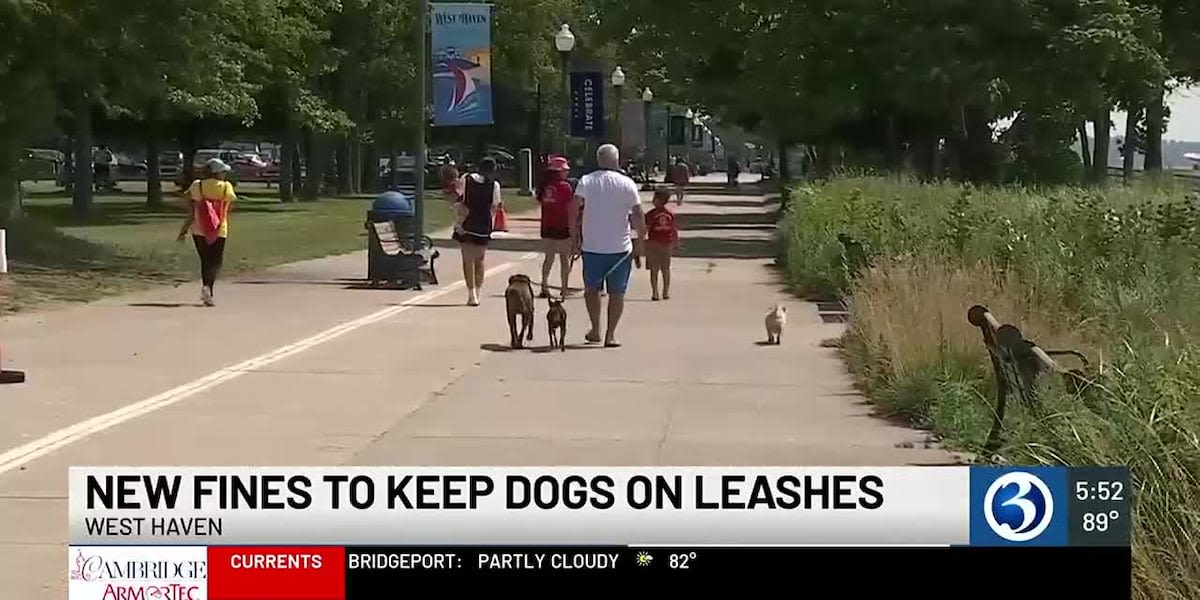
(1085, 151)
(318, 160)
(67, 177)
(1154, 132)
(81, 197)
(893, 153)
(785, 176)
(189, 143)
(825, 160)
(369, 168)
(299, 159)
(1129, 151)
(154, 193)
(978, 158)
(1102, 126)
(344, 173)
(926, 156)
(287, 165)
(356, 150)
(10, 188)
(393, 169)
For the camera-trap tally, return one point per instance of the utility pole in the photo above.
(421, 123)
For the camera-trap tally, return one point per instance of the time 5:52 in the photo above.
(1100, 490)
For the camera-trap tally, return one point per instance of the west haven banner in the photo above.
(461, 40)
(587, 104)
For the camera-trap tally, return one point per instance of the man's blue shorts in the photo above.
(607, 271)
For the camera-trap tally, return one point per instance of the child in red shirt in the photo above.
(662, 242)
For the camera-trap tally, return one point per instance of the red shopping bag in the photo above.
(501, 220)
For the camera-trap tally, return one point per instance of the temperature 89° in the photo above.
(682, 561)
(1099, 521)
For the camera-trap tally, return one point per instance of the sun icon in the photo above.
(644, 559)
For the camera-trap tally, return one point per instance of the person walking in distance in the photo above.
(476, 207)
(662, 242)
(680, 175)
(209, 201)
(610, 203)
(555, 196)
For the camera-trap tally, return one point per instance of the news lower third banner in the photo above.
(461, 41)
(587, 104)
(624, 506)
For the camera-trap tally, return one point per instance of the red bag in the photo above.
(501, 221)
(208, 215)
(210, 219)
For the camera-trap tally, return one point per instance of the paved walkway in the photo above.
(294, 368)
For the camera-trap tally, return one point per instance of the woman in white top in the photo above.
(478, 199)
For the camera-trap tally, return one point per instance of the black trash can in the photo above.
(402, 268)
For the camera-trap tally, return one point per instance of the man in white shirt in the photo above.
(610, 203)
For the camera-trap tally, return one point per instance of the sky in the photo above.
(1185, 117)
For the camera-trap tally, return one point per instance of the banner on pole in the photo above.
(587, 104)
(461, 40)
(676, 136)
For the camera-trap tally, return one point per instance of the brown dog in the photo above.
(556, 320)
(519, 302)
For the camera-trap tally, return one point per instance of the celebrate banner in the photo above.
(461, 40)
(587, 104)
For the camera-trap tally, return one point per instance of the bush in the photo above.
(1114, 274)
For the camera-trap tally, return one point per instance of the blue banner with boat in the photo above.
(461, 40)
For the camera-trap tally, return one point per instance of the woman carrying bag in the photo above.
(209, 201)
(476, 208)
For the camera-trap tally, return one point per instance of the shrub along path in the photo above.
(1113, 273)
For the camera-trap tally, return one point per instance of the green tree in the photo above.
(25, 97)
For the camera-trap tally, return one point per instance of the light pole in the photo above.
(564, 42)
(421, 107)
(647, 98)
(687, 137)
(618, 82)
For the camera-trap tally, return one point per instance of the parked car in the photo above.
(229, 157)
(40, 163)
(170, 164)
(249, 166)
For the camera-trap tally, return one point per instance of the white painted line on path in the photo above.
(24, 454)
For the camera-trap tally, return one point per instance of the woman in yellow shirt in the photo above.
(209, 201)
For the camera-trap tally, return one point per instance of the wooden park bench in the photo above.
(1017, 363)
(393, 258)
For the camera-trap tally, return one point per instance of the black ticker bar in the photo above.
(1099, 573)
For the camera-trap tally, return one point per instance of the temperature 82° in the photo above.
(682, 560)
(1100, 521)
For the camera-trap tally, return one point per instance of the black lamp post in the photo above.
(618, 82)
(564, 42)
(647, 98)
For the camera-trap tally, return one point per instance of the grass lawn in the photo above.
(124, 245)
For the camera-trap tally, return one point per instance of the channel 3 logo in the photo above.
(1018, 506)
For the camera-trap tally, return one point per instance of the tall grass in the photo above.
(1114, 274)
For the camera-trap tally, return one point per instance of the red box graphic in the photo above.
(276, 573)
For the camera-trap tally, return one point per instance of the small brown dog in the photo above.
(556, 320)
(519, 302)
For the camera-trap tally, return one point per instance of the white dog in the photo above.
(775, 321)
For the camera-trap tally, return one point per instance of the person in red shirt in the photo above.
(555, 196)
(662, 242)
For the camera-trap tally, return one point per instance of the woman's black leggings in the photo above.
(211, 256)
